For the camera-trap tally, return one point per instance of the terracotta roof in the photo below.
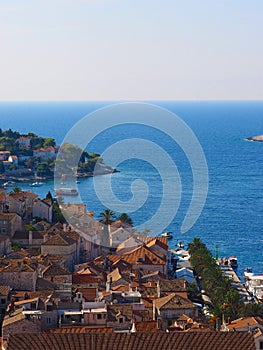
(78, 329)
(8, 216)
(4, 290)
(54, 270)
(139, 256)
(18, 266)
(47, 149)
(23, 194)
(147, 326)
(185, 318)
(89, 294)
(113, 311)
(160, 241)
(13, 317)
(71, 234)
(244, 321)
(23, 138)
(121, 288)
(25, 235)
(131, 341)
(59, 240)
(175, 285)
(25, 301)
(84, 278)
(173, 301)
(43, 284)
(114, 276)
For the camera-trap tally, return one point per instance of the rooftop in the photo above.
(131, 341)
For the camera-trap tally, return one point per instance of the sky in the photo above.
(131, 50)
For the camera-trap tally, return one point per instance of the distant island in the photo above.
(258, 138)
(28, 156)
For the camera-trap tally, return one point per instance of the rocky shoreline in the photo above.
(28, 178)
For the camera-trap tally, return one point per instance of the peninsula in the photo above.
(25, 157)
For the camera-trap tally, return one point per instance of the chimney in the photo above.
(159, 323)
(133, 329)
(30, 238)
(45, 237)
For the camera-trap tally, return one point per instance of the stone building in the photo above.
(10, 223)
(64, 246)
(18, 274)
(17, 322)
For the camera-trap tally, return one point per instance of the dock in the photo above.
(235, 282)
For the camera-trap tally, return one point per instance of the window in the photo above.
(261, 345)
(99, 316)
(48, 319)
(120, 319)
(3, 301)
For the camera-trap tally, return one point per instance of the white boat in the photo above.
(8, 183)
(167, 235)
(36, 184)
(66, 192)
(248, 273)
(180, 245)
(254, 286)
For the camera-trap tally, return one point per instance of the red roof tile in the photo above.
(132, 341)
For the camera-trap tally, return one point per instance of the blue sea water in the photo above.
(233, 213)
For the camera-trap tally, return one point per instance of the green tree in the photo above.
(44, 169)
(16, 189)
(125, 218)
(233, 303)
(57, 215)
(49, 142)
(49, 196)
(107, 216)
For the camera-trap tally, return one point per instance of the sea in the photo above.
(230, 222)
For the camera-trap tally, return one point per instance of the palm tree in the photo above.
(16, 189)
(125, 218)
(107, 216)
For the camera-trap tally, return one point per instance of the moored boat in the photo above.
(8, 183)
(167, 235)
(254, 286)
(232, 261)
(248, 273)
(36, 184)
(66, 192)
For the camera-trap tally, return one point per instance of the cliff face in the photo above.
(258, 138)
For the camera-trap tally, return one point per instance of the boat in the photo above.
(8, 183)
(167, 235)
(180, 245)
(248, 273)
(36, 184)
(232, 261)
(254, 284)
(66, 192)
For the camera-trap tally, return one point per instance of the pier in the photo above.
(235, 281)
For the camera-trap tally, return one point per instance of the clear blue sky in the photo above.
(133, 50)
